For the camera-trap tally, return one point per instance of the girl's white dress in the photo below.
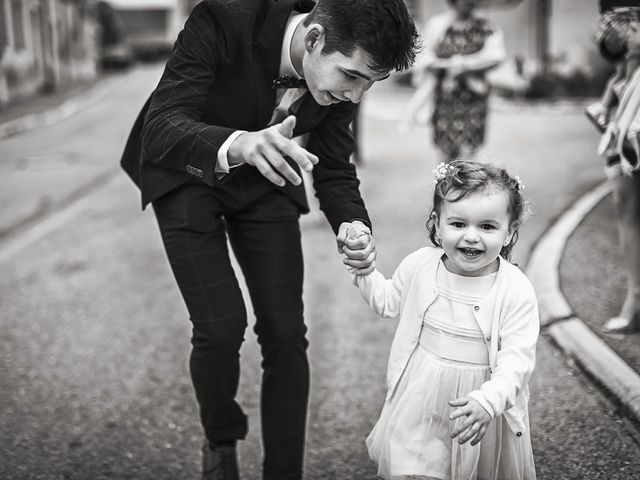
(412, 437)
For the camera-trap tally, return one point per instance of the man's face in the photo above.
(335, 77)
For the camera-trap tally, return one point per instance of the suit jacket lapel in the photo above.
(308, 110)
(268, 48)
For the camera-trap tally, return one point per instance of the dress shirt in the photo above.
(285, 98)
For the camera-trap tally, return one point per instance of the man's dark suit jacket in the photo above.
(218, 80)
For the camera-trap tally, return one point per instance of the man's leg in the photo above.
(266, 240)
(194, 238)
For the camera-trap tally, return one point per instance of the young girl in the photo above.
(464, 348)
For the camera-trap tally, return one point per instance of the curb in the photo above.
(573, 336)
(63, 111)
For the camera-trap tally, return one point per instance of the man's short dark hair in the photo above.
(384, 29)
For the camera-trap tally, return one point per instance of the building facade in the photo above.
(44, 45)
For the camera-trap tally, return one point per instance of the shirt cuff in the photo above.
(357, 280)
(222, 163)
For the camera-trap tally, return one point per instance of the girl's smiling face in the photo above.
(473, 231)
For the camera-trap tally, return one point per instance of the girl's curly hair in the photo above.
(462, 177)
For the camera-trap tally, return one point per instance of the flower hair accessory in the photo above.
(443, 170)
(519, 184)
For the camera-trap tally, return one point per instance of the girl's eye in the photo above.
(457, 224)
(487, 227)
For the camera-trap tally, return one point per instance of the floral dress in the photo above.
(460, 106)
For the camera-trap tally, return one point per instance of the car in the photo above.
(114, 50)
(149, 27)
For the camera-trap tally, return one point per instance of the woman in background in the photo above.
(619, 41)
(460, 47)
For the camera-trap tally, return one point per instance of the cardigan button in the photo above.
(488, 339)
(519, 434)
(476, 308)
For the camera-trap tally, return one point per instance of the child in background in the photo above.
(464, 348)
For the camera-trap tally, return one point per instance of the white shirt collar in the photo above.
(286, 65)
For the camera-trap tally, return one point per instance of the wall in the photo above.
(44, 45)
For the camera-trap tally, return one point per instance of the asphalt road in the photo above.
(94, 338)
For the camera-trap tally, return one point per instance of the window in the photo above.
(4, 35)
(17, 14)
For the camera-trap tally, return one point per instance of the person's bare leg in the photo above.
(626, 197)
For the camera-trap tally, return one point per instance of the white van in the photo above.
(150, 26)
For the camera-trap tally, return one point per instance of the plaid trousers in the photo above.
(264, 233)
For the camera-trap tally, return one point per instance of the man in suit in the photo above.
(213, 151)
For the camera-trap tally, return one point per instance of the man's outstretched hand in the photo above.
(266, 150)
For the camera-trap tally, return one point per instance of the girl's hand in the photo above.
(350, 233)
(475, 425)
(355, 241)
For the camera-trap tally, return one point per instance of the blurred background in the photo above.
(94, 337)
(46, 45)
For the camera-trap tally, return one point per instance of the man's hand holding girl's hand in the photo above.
(266, 150)
(474, 426)
(355, 241)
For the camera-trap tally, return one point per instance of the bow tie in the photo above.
(288, 81)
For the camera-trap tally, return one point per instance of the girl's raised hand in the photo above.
(474, 426)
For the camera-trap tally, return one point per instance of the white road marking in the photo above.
(18, 241)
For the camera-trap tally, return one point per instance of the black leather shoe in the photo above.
(219, 462)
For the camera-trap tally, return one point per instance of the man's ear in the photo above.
(314, 39)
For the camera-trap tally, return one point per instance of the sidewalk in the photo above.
(45, 101)
(578, 271)
(48, 108)
(592, 276)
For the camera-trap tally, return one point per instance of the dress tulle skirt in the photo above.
(411, 439)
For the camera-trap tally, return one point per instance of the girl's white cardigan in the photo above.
(507, 316)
